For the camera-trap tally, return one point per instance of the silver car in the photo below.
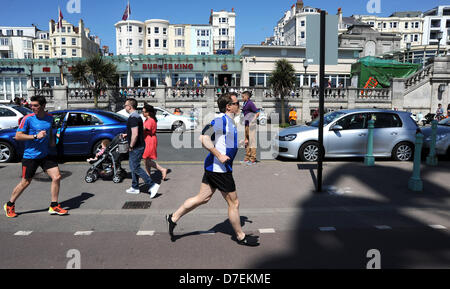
(346, 134)
(442, 137)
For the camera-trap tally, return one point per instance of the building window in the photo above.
(130, 42)
(140, 29)
(165, 43)
(156, 42)
(63, 41)
(63, 52)
(436, 23)
(223, 31)
(164, 31)
(120, 43)
(223, 44)
(156, 30)
(68, 29)
(140, 43)
(406, 25)
(302, 35)
(46, 47)
(223, 20)
(179, 43)
(40, 47)
(74, 41)
(179, 31)
(149, 43)
(416, 25)
(302, 23)
(74, 52)
(19, 32)
(149, 30)
(257, 79)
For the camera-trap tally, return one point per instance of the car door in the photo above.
(8, 118)
(386, 133)
(164, 121)
(351, 140)
(79, 129)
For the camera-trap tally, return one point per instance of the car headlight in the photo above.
(289, 137)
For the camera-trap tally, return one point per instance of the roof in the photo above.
(407, 14)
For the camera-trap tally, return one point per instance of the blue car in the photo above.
(81, 133)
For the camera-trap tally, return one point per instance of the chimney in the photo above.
(232, 9)
(299, 5)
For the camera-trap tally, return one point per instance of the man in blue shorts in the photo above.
(36, 131)
(218, 169)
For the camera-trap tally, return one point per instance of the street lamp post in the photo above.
(305, 65)
(439, 38)
(160, 64)
(31, 74)
(408, 48)
(60, 64)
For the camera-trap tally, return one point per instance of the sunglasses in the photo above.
(35, 105)
(235, 103)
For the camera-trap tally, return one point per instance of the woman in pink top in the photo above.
(151, 142)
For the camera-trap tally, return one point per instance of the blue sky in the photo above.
(255, 19)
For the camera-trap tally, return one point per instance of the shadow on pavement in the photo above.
(70, 204)
(224, 228)
(411, 243)
(43, 177)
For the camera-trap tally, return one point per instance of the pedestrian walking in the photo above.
(448, 110)
(251, 114)
(439, 112)
(135, 138)
(151, 141)
(292, 117)
(218, 169)
(36, 131)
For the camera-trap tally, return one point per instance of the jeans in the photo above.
(135, 158)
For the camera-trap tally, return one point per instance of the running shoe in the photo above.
(133, 191)
(10, 211)
(249, 240)
(170, 225)
(57, 210)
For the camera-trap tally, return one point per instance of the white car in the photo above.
(10, 115)
(168, 121)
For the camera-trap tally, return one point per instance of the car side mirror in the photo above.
(165, 114)
(336, 128)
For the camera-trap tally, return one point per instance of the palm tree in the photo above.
(282, 81)
(95, 73)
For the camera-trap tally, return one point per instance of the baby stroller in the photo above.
(108, 164)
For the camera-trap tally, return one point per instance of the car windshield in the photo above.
(328, 118)
(445, 122)
(22, 110)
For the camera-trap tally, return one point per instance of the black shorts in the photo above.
(224, 182)
(29, 166)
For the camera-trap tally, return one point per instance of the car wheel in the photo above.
(262, 121)
(309, 152)
(403, 152)
(6, 152)
(178, 127)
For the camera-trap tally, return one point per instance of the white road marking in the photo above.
(145, 233)
(83, 233)
(327, 229)
(267, 231)
(23, 233)
(438, 227)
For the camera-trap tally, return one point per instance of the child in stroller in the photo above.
(106, 163)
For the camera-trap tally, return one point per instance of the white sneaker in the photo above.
(133, 191)
(153, 190)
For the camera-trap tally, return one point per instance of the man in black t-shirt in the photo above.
(136, 143)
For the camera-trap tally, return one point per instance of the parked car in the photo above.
(442, 137)
(81, 133)
(10, 115)
(168, 121)
(346, 133)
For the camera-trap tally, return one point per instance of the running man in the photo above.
(218, 169)
(36, 131)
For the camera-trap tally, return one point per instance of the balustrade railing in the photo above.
(419, 76)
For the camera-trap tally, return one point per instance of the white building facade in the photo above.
(224, 31)
(436, 20)
(17, 42)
